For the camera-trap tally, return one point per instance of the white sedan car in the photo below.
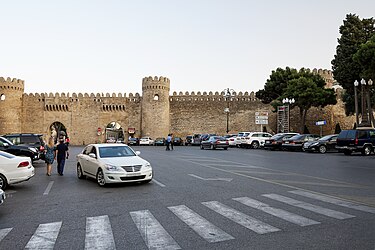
(113, 163)
(146, 141)
(14, 169)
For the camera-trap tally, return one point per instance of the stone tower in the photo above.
(11, 91)
(155, 107)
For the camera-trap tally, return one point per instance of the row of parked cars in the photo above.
(148, 141)
(348, 141)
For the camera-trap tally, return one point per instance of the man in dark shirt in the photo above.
(61, 154)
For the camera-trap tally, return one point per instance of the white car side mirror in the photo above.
(92, 155)
(137, 152)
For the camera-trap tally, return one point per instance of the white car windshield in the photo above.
(115, 151)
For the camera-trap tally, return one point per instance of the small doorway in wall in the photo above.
(114, 133)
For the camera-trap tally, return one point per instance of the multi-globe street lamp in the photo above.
(288, 102)
(366, 111)
(228, 93)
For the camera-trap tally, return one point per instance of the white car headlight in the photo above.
(147, 165)
(33, 149)
(112, 167)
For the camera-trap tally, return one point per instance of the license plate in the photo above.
(133, 174)
(286, 142)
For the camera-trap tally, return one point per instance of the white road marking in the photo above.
(285, 215)
(45, 236)
(335, 201)
(211, 179)
(310, 207)
(4, 232)
(99, 233)
(240, 218)
(201, 226)
(46, 192)
(153, 233)
(158, 183)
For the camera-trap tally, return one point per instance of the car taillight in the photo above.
(23, 164)
(41, 148)
(217, 142)
(356, 141)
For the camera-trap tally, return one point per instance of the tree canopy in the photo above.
(354, 33)
(308, 90)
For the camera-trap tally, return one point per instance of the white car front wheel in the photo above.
(100, 178)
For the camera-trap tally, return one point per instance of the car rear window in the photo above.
(347, 134)
(362, 134)
(29, 139)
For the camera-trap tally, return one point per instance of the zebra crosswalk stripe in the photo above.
(99, 233)
(201, 226)
(310, 207)
(153, 233)
(285, 215)
(4, 232)
(240, 218)
(335, 201)
(45, 236)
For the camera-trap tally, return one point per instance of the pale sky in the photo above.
(98, 46)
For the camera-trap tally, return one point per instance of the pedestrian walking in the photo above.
(168, 141)
(62, 153)
(172, 139)
(49, 151)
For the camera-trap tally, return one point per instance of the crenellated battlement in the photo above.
(81, 95)
(215, 97)
(155, 82)
(12, 84)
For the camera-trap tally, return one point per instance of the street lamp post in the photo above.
(366, 110)
(228, 93)
(288, 102)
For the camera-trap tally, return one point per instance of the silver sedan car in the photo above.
(113, 163)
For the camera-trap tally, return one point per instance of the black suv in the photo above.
(7, 146)
(356, 140)
(29, 140)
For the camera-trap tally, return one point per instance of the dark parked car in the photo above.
(134, 141)
(275, 142)
(19, 150)
(296, 142)
(189, 140)
(28, 140)
(214, 142)
(323, 145)
(177, 141)
(356, 140)
(159, 142)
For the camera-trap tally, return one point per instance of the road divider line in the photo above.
(4, 232)
(46, 192)
(282, 214)
(153, 233)
(201, 226)
(240, 218)
(45, 236)
(99, 233)
(334, 201)
(158, 183)
(310, 207)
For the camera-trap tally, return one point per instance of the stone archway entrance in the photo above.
(57, 129)
(114, 132)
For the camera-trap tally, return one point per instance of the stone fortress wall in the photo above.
(156, 113)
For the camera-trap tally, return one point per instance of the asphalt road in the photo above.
(200, 199)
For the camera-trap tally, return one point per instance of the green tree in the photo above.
(354, 32)
(308, 93)
(365, 57)
(307, 88)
